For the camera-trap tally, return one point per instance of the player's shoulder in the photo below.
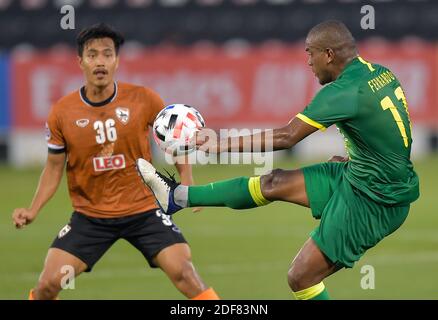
(67, 101)
(337, 92)
(125, 86)
(377, 75)
(370, 70)
(131, 88)
(332, 89)
(351, 80)
(386, 71)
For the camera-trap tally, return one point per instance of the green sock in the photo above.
(316, 292)
(322, 296)
(238, 193)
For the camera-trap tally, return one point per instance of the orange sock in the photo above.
(32, 297)
(208, 294)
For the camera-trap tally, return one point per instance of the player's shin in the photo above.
(208, 294)
(238, 193)
(32, 296)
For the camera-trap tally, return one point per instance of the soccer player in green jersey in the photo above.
(360, 199)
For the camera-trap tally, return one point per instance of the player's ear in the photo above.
(80, 60)
(330, 55)
(117, 61)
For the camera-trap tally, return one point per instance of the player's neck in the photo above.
(341, 67)
(337, 72)
(98, 94)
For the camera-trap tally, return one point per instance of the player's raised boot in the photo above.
(162, 187)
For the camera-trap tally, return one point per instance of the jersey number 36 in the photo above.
(105, 131)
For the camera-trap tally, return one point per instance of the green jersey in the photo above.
(367, 104)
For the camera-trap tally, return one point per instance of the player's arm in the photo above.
(47, 186)
(268, 140)
(330, 105)
(185, 172)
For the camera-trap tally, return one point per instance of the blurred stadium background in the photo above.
(242, 64)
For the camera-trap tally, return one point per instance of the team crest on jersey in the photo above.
(64, 231)
(122, 114)
(82, 123)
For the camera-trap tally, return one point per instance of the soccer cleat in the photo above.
(161, 186)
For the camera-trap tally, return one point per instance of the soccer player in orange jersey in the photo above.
(98, 132)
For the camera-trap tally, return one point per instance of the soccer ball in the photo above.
(174, 127)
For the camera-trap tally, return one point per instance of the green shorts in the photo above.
(351, 222)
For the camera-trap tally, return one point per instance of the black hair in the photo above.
(98, 31)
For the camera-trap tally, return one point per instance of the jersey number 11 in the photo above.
(387, 103)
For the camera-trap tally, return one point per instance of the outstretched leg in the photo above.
(238, 193)
(285, 185)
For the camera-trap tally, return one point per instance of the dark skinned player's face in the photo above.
(319, 61)
(99, 62)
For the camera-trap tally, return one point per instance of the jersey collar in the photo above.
(350, 64)
(101, 103)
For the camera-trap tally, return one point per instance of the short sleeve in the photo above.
(154, 104)
(54, 136)
(331, 104)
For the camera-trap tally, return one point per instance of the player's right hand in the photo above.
(207, 140)
(22, 217)
(338, 159)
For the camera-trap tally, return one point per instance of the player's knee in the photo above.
(296, 279)
(269, 183)
(47, 288)
(186, 274)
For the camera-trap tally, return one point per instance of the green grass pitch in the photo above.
(242, 254)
